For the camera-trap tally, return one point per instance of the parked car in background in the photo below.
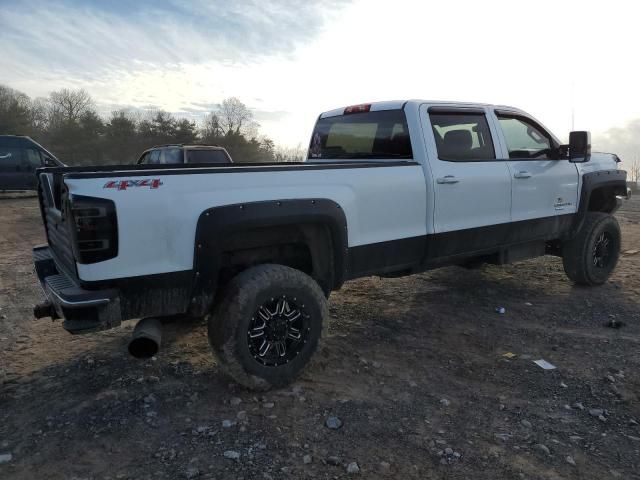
(20, 156)
(180, 153)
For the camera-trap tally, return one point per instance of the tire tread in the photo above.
(236, 297)
(576, 253)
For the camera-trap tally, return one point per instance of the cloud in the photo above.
(623, 141)
(79, 43)
(302, 57)
(184, 57)
(98, 38)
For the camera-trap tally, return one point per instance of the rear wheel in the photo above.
(267, 325)
(590, 257)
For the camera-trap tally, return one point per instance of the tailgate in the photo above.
(52, 195)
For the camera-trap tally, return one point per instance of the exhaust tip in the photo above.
(43, 310)
(146, 338)
(142, 347)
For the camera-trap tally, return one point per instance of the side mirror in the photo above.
(579, 147)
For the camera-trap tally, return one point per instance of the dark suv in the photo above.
(167, 154)
(19, 158)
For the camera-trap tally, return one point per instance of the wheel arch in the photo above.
(599, 194)
(276, 231)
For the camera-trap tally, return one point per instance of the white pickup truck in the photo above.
(389, 188)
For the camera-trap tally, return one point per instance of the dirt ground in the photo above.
(413, 367)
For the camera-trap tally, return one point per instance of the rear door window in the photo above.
(206, 156)
(462, 136)
(154, 157)
(170, 155)
(10, 159)
(366, 135)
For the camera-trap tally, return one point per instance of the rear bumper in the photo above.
(84, 310)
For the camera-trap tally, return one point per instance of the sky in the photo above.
(289, 60)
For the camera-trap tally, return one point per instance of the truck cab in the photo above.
(20, 156)
(494, 174)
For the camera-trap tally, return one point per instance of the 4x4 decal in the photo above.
(124, 184)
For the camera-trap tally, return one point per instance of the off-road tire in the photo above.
(232, 318)
(578, 253)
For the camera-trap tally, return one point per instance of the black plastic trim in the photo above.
(193, 291)
(592, 181)
(83, 310)
(217, 223)
(454, 110)
(520, 116)
(477, 241)
(386, 257)
(111, 171)
(421, 253)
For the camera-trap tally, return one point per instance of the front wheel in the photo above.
(590, 257)
(267, 325)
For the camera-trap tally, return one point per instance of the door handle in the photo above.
(521, 174)
(447, 179)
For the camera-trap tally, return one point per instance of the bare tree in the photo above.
(39, 114)
(70, 105)
(235, 116)
(290, 154)
(67, 123)
(211, 129)
(634, 171)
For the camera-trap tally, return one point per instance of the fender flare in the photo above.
(219, 222)
(592, 181)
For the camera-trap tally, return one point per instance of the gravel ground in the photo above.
(419, 378)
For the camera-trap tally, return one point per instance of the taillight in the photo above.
(362, 108)
(94, 227)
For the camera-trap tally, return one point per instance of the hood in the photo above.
(599, 161)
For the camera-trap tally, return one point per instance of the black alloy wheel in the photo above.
(278, 331)
(266, 325)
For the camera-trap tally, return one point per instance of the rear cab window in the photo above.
(462, 136)
(363, 135)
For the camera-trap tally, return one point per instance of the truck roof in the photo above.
(188, 145)
(399, 104)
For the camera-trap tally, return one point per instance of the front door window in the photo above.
(525, 139)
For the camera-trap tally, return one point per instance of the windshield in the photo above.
(368, 135)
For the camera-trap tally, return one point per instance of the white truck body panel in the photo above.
(160, 224)
(157, 227)
(484, 185)
(539, 188)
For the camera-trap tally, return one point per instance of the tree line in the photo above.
(68, 124)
